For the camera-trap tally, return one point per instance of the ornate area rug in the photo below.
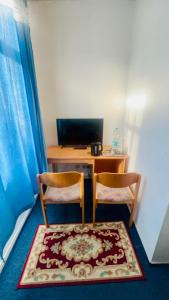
(73, 254)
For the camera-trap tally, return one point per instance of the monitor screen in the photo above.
(76, 132)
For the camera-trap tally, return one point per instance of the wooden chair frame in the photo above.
(60, 180)
(117, 180)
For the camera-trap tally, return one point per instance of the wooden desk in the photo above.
(116, 163)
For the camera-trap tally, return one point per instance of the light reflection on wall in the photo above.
(135, 107)
(137, 101)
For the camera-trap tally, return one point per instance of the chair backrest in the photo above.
(63, 179)
(117, 180)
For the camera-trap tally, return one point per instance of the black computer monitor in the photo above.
(79, 132)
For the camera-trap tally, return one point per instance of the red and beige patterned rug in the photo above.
(76, 254)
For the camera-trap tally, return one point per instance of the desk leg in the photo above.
(121, 167)
(93, 167)
(126, 165)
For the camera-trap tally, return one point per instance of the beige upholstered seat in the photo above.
(61, 188)
(113, 194)
(65, 194)
(116, 188)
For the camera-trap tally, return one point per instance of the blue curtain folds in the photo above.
(22, 150)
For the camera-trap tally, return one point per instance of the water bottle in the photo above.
(116, 142)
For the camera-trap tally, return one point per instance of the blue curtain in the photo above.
(22, 150)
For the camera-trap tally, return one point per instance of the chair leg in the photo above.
(44, 214)
(83, 212)
(132, 215)
(94, 211)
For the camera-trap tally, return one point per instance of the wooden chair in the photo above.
(61, 188)
(116, 188)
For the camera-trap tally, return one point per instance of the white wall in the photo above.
(81, 51)
(147, 118)
(161, 253)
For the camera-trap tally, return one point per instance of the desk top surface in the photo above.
(67, 153)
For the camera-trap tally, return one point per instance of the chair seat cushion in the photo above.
(65, 194)
(113, 194)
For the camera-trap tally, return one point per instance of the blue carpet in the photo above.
(156, 285)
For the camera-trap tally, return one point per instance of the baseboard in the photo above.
(162, 262)
(11, 242)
